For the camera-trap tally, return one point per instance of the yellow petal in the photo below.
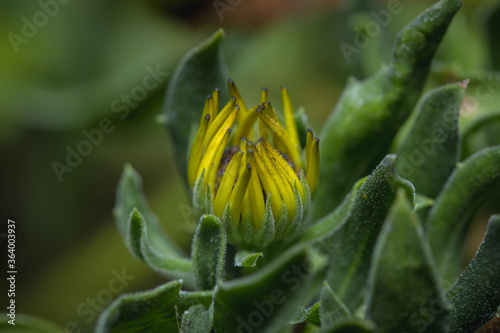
(196, 150)
(282, 136)
(227, 184)
(269, 186)
(208, 108)
(290, 124)
(284, 188)
(215, 124)
(236, 199)
(256, 199)
(312, 174)
(213, 167)
(215, 101)
(285, 169)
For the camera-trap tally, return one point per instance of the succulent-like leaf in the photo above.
(171, 266)
(209, 251)
(432, 148)
(129, 195)
(354, 326)
(26, 324)
(468, 188)
(157, 310)
(247, 259)
(403, 289)
(197, 319)
(310, 314)
(200, 71)
(476, 294)
(332, 310)
(348, 269)
(267, 299)
(149, 311)
(360, 130)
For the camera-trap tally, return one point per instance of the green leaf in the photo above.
(348, 270)
(432, 148)
(332, 310)
(267, 299)
(129, 195)
(200, 71)
(246, 258)
(476, 294)
(26, 324)
(209, 251)
(468, 188)
(310, 314)
(403, 287)
(360, 130)
(142, 233)
(150, 311)
(171, 266)
(355, 326)
(479, 125)
(197, 319)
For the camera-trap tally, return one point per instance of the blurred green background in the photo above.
(65, 71)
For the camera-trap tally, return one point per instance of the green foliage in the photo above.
(378, 259)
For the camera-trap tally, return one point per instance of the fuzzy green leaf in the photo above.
(200, 71)
(468, 188)
(476, 294)
(157, 310)
(247, 259)
(26, 324)
(432, 148)
(197, 319)
(310, 314)
(142, 233)
(403, 290)
(209, 250)
(267, 299)
(129, 195)
(348, 270)
(360, 130)
(355, 326)
(171, 266)
(150, 311)
(332, 310)
(480, 125)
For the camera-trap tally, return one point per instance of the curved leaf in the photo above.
(200, 71)
(465, 192)
(360, 130)
(432, 149)
(209, 252)
(403, 288)
(332, 310)
(247, 259)
(355, 240)
(27, 324)
(476, 294)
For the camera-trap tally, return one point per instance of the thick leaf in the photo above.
(467, 189)
(200, 71)
(209, 252)
(310, 314)
(332, 310)
(432, 148)
(476, 294)
(267, 299)
(348, 270)
(197, 319)
(157, 310)
(403, 290)
(247, 259)
(150, 311)
(26, 324)
(360, 130)
(355, 326)
(479, 125)
(129, 195)
(171, 266)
